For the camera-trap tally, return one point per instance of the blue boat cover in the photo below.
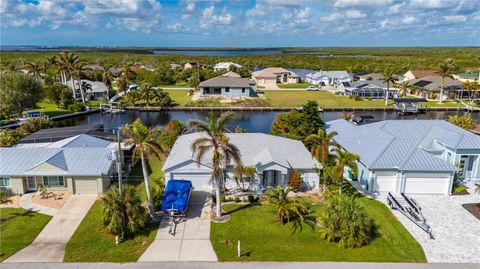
(176, 195)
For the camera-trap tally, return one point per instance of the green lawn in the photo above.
(301, 85)
(18, 229)
(180, 97)
(154, 172)
(52, 110)
(175, 86)
(92, 243)
(263, 239)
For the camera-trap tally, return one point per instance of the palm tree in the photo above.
(389, 78)
(107, 76)
(344, 159)
(223, 152)
(321, 145)
(34, 70)
(131, 98)
(471, 88)
(145, 142)
(127, 72)
(162, 98)
(86, 86)
(147, 92)
(445, 69)
(404, 87)
(286, 208)
(66, 62)
(77, 69)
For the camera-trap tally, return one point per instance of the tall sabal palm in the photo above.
(321, 145)
(403, 88)
(49, 62)
(389, 78)
(66, 62)
(471, 88)
(216, 141)
(107, 76)
(145, 142)
(147, 92)
(127, 73)
(344, 159)
(286, 208)
(34, 69)
(445, 69)
(77, 69)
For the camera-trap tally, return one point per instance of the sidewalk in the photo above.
(26, 203)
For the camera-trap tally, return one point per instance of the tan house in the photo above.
(416, 74)
(270, 77)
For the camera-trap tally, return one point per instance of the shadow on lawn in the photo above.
(27, 213)
(241, 208)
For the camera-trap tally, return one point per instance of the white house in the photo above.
(327, 77)
(271, 76)
(368, 89)
(410, 156)
(225, 66)
(95, 89)
(273, 157)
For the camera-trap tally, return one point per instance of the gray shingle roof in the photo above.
(402, 144)
(228, 81)
(329, 74)
(257, 149)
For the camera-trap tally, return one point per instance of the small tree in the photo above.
(295, 181)
(344, 220)
(35, 124)
(462, 122)
(245, 176)
(286, 209)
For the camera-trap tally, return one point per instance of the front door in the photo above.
(31, 184)
(462, 166)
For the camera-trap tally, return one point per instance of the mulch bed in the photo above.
(474, 209)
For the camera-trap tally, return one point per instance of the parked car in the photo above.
(312, 88)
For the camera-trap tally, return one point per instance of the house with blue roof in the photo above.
(410, 156)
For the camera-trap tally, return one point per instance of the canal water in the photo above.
(252, 121)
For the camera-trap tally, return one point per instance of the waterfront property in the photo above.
(416, 74)
(93, 89)
(273, 157)
(81, 164)
(467, 77)
(270, 77)
(324, 78)
(432, 84)
(228, 85)
(225, 66)
(371, 89)
(410, 156)
(55, 134)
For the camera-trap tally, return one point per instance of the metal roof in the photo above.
(56, 134)
(256, 149)
(403, 144)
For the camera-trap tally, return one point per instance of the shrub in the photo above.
(286, 209)
(462, 122)
(357, 98)
(344, 221)
(459, 189)
(157, 196)
(237, 200)
(35, 124)
(9, 138)
(3, 197)
(76, 107)
(295, 181)
(251, 199)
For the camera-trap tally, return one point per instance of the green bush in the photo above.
(345, 221)
(35, 124)
(357, 98)
(251, 199)
(459, 189)
(76, 107)
(3, 197)
(237, 199)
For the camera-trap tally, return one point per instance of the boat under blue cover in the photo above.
(176, 195)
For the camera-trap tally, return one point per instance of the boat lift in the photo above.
(409, 105)
(411, 209)
(113, 107)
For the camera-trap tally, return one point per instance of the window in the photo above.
(275, 178)
(243, 90)
(4, 182)
(53, 181)
(227, 89)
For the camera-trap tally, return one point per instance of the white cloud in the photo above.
(455, 18)
(209, 18)
(355, 14)
(303, 13)
(396, 8)
(331, 17)
(477, 18)
(190, 7)
(176, 27)
(409, 20)
(424, 4)
(361, 3)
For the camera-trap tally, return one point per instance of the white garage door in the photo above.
(385, 183)
(417, 184)
(85, 186)
(199, 181)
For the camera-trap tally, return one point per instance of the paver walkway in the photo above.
(49, 246)
(456, 231)
(26, 203)
(191, 241)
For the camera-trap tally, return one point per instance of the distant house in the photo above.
(409, 156)
(189, 65)
(416, 74)
(95, 90)
(465, 77)
(375, 76)
(228, 85)
(369, 89)
(274, 158)
(225, 66)
(327, 77)
(433, 84)
(175, 66)
(271, 76)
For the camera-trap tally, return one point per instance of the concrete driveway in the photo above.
(49, 246)
(456, 231)
(191, 241)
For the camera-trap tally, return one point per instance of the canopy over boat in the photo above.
(409, 100)
(176, 195)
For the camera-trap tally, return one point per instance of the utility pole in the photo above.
(119, 162)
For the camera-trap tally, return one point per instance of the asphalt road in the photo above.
(250, 265)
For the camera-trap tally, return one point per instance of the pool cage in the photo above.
(370, 93)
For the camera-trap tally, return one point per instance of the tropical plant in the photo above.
(147, 91)
(389, 78)
(35, 124)
(344, 159)
(66, 62)
(320, 144)
(286, 208)
(194, 82)
(123, 214)
(245, 177)
(131, 98)
(9, 138)
(145, 142)
(18, 92)
(295, 181)
(472, 89)
(77, 70)
(404, 88)
(298, 124)
(345, 221)
(162, 98)
(462, 122)
(127, 73)
(446, 69)
(34, 69)
(223, 152)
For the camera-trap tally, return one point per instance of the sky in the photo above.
(240, 23)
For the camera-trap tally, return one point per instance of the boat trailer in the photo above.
(411, 209)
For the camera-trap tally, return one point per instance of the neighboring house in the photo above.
(371, 76)
(94, 67)
(410, 156)
(374, 89)
(96, 90)
(55, 134)
(189, 65)
(465, 77)
(433, 84)
(271, 76)
(416, 74)
(228, 85)
(225, 66)
(175, 66)
(324, 78)
(273, 157)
